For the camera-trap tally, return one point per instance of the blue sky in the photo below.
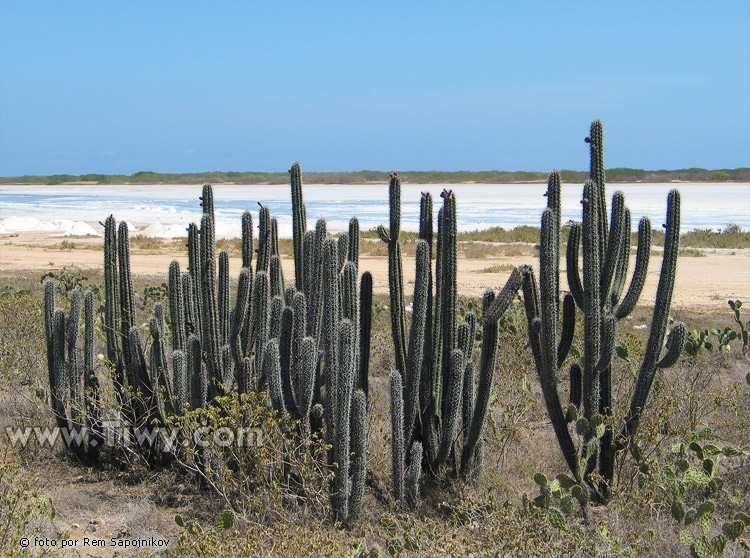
(119, 87)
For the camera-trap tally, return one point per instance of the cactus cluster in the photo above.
(606, 251)
(437, 399)
(316, 362)
(306, 344)
(74, 387)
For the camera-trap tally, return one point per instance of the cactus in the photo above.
(395, 273)
(434, 398)
(606, 248)
(74, 386)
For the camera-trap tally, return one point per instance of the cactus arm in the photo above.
(576, 384)
(622, 264)
(247, 239)
(597, 176)
(176, 306)
(571, 261)
(675, 344)
(207, 200)
(549, 389)
(127, 297)
(353, 255)
(614, 247)
(660, 316)
(210, 339)
(452, 409)
(417, 332)
(549, 268)
(272, 372)
(261, 294)
(111, 301)
(285, 354)
(342, 249)
(395, 271)
(330, 333)
(195, 272)
(223, 298)
(639, 273)
(365, 327)
(264, 239)
(568, 329)
(299, 224)
(306, 380)
(241, 305)
(299, 305)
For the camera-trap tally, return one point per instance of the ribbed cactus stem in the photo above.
(452, 408)
(661, 313)
(261, 296)
(414, 473)
(91, 397)
(127, 296)
(272, 372)
(592, 306)
(643, 253)
(330, 333)
(494, 307)
(264, 240)
(398, 451)
(286, 330)
(417, 333)
(247, 239)
(176, 307)
(242, 303)
(342, 249)
(180, 380)
(341, 446)
(359, 453)
(353, 255)
(196, 274)
(210, 339)
(223, 297)
(365, 327)
(299, 224)
(111, 300)
(395, 271)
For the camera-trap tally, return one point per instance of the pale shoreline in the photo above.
(702, 283)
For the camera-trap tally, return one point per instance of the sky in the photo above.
(121, 87)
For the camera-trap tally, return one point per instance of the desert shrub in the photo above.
(22, 511)
(253, 460)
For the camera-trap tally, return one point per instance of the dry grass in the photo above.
(484, 517)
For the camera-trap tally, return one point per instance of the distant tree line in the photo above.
(369, 176)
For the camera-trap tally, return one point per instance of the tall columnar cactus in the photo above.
(299, 225)
(317, 357)
(395, 271)
(74, 386)
(435, 400)
(606, 250)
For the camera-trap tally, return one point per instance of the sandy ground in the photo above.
(702, 282)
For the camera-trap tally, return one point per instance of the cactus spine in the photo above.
(606, 248)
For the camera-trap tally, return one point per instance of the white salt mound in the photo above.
(157, 230)
(79, 228)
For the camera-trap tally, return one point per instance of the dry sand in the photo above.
(702, 282)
